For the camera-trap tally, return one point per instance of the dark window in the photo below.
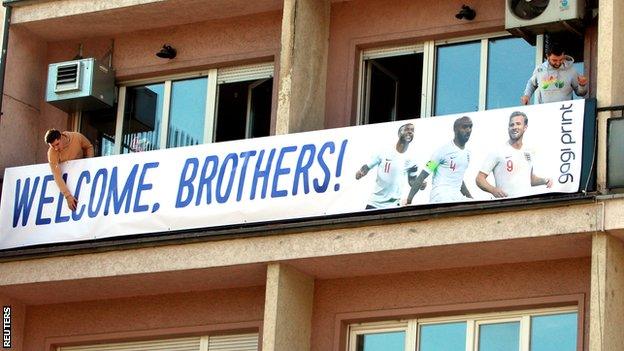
(244, 109)
(99, 127)
(393, 88)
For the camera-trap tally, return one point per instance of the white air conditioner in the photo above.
(539, 16)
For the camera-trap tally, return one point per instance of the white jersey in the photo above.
(392, 168)
(448, 166)
(512, 169)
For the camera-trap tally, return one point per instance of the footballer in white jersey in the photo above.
(512, 169)
(448, 164)
(392, 168)
(512, 165)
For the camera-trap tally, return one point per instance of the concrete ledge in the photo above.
(29, 11)
(471, 229)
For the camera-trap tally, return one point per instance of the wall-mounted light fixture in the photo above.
(167, 52)
(466, 12)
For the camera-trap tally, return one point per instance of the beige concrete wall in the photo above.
(607, 293)
(610, 83)
(288, 309)
(303, 66)
(439, 293)
(22, 101)
(147, 317)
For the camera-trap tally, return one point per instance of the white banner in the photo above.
(299, 175)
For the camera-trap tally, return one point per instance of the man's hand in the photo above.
(498, 193)
(72, 202)
(525, 99)
(361, 172)
(582, 80)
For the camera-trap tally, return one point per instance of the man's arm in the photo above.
(579, 84)
(484, 185)
(60, 182)
(464, 190)
(529, 89)
(416, 183)
(86, 146)
(536, 181)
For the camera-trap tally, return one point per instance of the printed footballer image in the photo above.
(448, 165)
(511, 164)
(394, 169)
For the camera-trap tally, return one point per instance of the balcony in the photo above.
(285, 184)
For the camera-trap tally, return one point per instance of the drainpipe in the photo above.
(3, 55)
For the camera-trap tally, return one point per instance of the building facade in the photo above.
(537, 273)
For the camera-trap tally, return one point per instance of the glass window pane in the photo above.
(187, 113)
(394, 341)
(457, 78)
(142, 118)
(499, 337)
(443, 337)
(554, 332)
(511, 62)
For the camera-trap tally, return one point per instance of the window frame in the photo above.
(428, 49)
(407, 326)
(411, 327)
(215, 76)
(230, 341)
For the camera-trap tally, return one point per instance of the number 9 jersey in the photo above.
(512, 169)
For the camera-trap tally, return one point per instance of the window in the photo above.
(384, 336)
(240, 342)
(536, 330)
(444, 77)
(187, 112)
(511, 62)
(389, 341)
(202, 107)
(142, 118)
(457, 78)
(392, 84)
(244, 103)
(442, 336)
(498, 336)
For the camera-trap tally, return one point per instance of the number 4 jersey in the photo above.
(448, 166)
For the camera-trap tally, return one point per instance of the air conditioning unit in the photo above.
(539, 16)
(80, 85)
